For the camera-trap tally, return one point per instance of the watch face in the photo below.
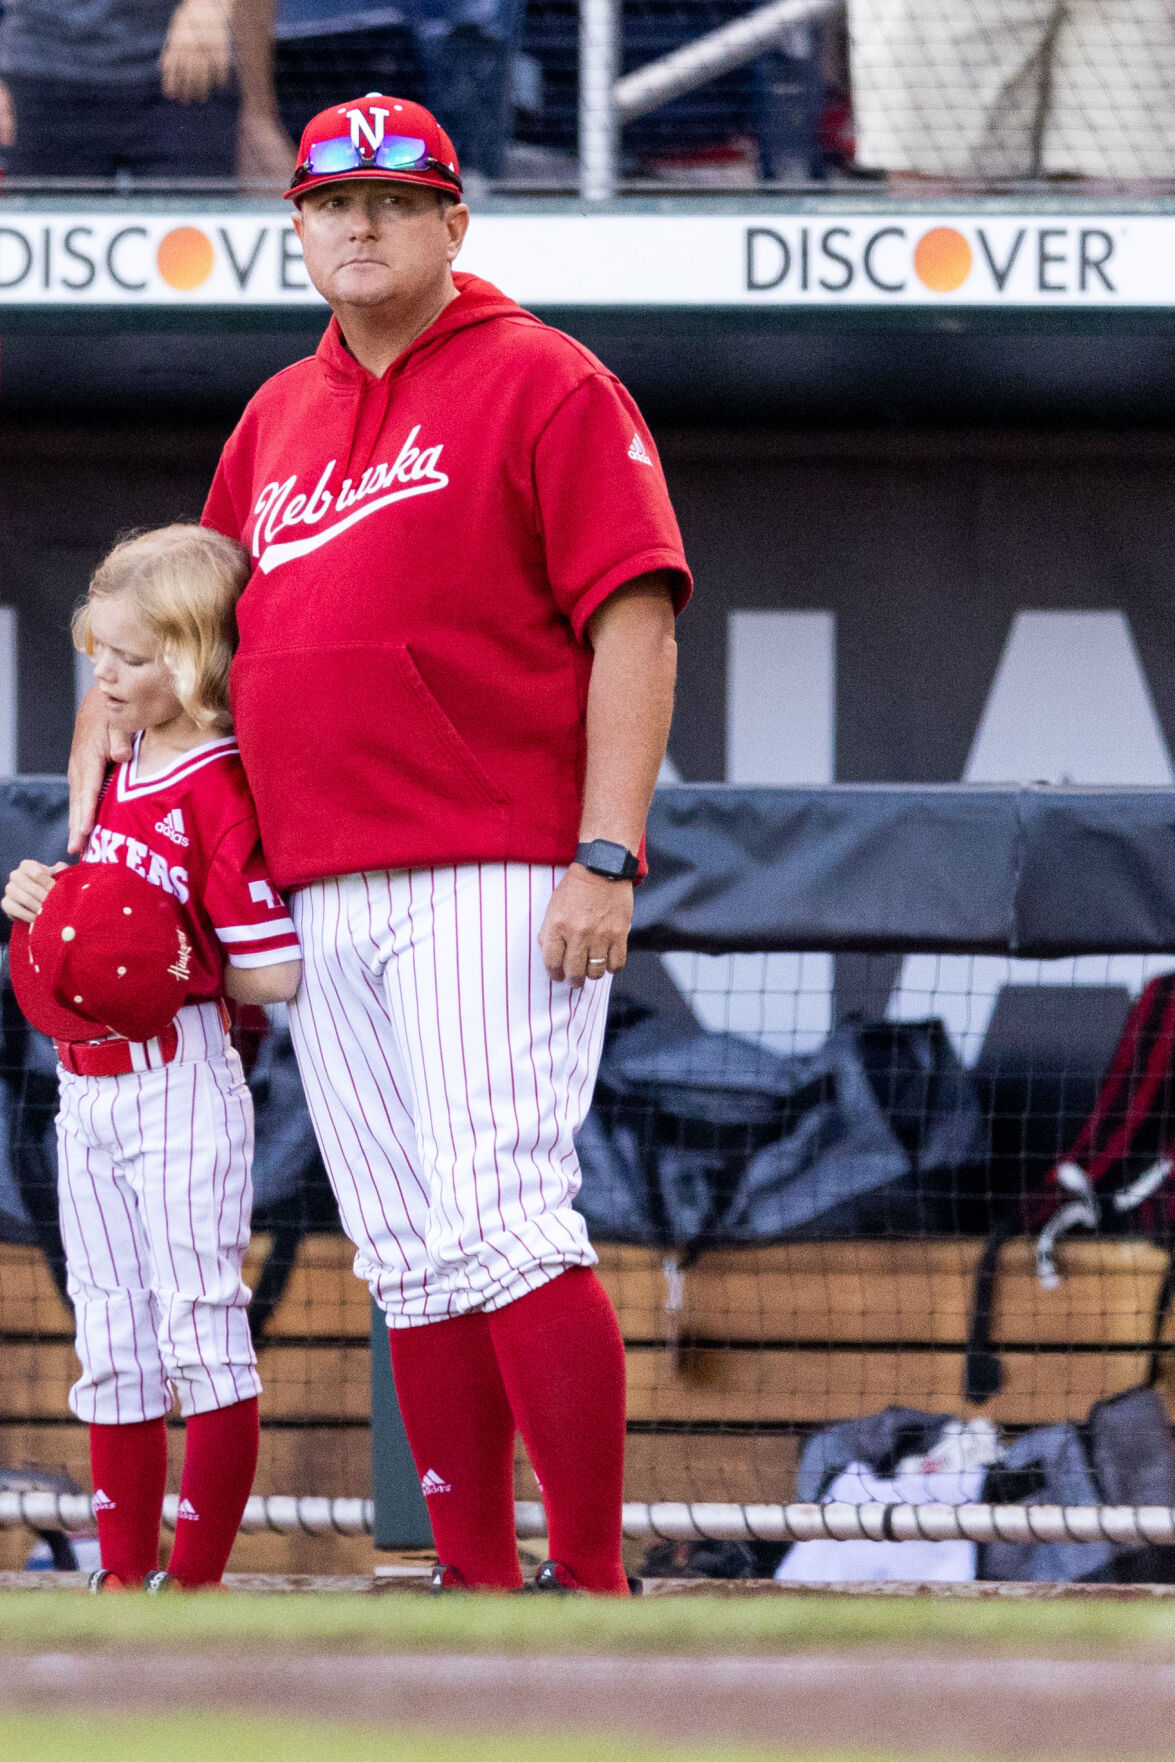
(605, 858)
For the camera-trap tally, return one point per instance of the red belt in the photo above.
(118, 1058)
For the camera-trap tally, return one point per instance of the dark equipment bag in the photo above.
(1122, 1455)
(698, 1138)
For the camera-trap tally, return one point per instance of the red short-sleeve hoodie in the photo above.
(428, 547)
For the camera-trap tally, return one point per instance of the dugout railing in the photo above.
(787, 948)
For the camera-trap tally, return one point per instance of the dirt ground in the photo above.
(938, 1697)
(901, 1704)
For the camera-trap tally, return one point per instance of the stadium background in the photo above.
(930, 541)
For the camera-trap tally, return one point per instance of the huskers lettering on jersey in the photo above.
(199, 808)
(429, 547)
(106, 846)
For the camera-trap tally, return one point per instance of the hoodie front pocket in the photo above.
(445, 732)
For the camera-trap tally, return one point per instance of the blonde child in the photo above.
(155, 1138)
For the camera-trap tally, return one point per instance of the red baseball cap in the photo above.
(376, 136)
(107, 953)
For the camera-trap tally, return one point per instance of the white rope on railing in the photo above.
(1130, 1525)
(285, 1515)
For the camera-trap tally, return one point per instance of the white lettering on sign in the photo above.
(78, 255)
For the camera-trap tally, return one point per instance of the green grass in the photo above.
(62, 1621)
(212, 1738)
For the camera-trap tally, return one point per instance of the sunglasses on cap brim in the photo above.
(394, 153)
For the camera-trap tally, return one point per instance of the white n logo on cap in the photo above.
(373, 131)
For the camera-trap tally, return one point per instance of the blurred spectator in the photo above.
(146, 88)
(329, 50)
(468, 49)
(456, 56)
(998, 89)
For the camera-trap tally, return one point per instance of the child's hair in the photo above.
(185, 581)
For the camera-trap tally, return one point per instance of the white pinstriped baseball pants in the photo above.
(446, 1075)
(153, 1176)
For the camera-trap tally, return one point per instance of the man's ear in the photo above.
(296, 218)
(456, 225)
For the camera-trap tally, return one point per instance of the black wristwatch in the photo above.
(612, 861)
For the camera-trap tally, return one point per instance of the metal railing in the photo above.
(606, 102)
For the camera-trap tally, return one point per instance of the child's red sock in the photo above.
(562, 1360)
(129, 1465)
(220, 1460)
(461, 1432)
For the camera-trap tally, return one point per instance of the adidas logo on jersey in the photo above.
(188, 1511)
(103, 1501)
(638, 451)
(172, 826)
(432, 1483)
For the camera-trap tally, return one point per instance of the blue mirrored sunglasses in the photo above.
(394, 153)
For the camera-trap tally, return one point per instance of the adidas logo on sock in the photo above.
(103, 1501)
(638, 452)
(188, 1510)
(432, 1483)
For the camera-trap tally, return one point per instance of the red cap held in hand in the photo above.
(376, 136)
(107, 953)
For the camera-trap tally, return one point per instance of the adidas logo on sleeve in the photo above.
(638, 452)
(432, 1483)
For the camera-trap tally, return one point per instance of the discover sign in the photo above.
(561, 257)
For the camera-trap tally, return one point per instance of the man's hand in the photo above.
(197, 53)
(94, 745)
(7, 117)
(585, 928)
(28, 889)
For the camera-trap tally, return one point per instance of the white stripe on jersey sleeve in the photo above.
(257, 932)
(269, 957)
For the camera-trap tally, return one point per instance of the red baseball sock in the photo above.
(129, 1465)
(562, 1361)
(461, 1433)
(220, 1460)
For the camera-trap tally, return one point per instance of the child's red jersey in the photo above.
(192, 830)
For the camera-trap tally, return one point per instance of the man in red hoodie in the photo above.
(452, 697)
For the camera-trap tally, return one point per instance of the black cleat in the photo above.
(445, 1578)
(555, 1580)
(160, 1584)
(101, 1580)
